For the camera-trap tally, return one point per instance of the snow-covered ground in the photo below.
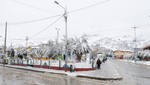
(138, 62)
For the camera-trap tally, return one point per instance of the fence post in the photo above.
(18, 61)
(27, 62)
(33, 62)
(40, 63)
(14, 61)
(59, 64)
(22, 62)
(92, 63)
(49, 63)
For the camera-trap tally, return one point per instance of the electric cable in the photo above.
(46, 27)
(89, 6)
(27, 5)
(30, 21)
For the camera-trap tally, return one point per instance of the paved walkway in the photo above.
(107, 72)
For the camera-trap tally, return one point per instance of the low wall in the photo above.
(50, 64)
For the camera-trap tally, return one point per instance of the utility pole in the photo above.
(5, 40)
(135, 40)
(66, 34)
(135, 33)
(27, 38)
(57, 40)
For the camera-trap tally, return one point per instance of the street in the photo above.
(11, 76)
(74, 42)
(133, 74)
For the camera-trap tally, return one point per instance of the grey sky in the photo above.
(111, 19)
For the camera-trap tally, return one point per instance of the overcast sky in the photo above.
(109, 19)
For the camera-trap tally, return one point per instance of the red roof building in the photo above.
(146, 47)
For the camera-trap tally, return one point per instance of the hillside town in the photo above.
(74, 42)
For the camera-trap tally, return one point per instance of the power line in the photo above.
(46, 27)
(30, 21)
(27, 5)
(143, 35)
(53, 11)
(120, 29)
(89, 6)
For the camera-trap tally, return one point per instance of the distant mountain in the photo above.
(122, 42)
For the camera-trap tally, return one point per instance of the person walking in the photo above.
(98, 63)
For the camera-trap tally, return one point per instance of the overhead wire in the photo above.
(27, 5)
(143, 34)
(89, 6)
(119, 29)
(140, 27)
(30, 21)
(46, 27)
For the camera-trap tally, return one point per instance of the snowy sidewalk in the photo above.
(138, 62)
(107, 72)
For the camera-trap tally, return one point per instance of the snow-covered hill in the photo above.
(121, 42)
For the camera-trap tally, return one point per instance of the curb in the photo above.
(61, 73)
(33, 70)
(99, 78)
(137, 62)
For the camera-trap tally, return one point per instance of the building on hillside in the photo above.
(127, 54)
(145, 54)
(118, 54)
(147, 47)
(122, 54)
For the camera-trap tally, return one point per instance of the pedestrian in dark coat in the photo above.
(98, 63)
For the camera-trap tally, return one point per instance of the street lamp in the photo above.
(66, 35)
(59, 5)
(65, 16)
